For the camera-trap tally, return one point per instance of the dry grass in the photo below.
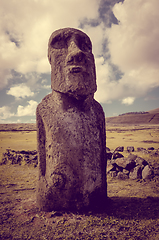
(138, 136)
(132, 211)
(17, 140)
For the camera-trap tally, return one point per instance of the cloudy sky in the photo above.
(125, 37)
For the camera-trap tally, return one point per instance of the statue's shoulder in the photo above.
(98, 110)
(45, 104)
(97, 107)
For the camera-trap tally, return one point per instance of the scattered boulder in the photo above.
(133, 167)
(155, 153)
(122, 176)
(146, 151)
(121, 162)
(156, 170)
(147, 172)
(141, 162)
(127, 163)
(110, 167)
(125, 171)
(118, 168)
(109, 155)
(120, 149)
(19, 157)
(130, 149)
(117, 155)
(136, 173)
(107, 149)
(132, 157)
(140, 149)
(113, 174)
(150, 148)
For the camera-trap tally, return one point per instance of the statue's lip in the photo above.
(76, 69)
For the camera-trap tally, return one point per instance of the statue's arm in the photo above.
(103, 134)
(41, 138)
(101, 115)
(101, 125)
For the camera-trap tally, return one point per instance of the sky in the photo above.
(125, 38)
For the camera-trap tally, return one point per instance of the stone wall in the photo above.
(133, 166)
(20, 157)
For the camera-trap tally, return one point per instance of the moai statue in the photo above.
(71, 129)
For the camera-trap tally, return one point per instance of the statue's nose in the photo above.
(75, 55)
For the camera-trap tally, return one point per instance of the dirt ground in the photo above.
(131, 212)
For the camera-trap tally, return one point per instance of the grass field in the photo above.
(132, 211)
(138, 136)
(17, 140)
(117, 135)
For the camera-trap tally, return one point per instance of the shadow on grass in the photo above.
(133, 208)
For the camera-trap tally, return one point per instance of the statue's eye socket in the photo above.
(59, 43)
(84, 45)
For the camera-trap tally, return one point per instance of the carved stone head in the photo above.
(72, 63)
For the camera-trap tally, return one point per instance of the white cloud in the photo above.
(26, 26)
(5, 113)
(103, 70)
(33, 120)
(128, 100)
(134, 47)
(108, 88)
(28, 110)
(133, 44)
(47, 87)
(97, 36)
(20, 91)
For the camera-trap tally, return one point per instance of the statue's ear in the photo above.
(49, 56)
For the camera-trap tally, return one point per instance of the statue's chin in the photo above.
(77, 84)
(77, 96)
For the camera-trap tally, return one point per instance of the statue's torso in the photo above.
(73, 145)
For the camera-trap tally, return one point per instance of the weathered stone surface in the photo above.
(121, 162)
(126, 171)
(122, 176)
(118, 168)
(113, 174)
(147, 172)
(127, 163)
(131, 157)
(109, 155)
(72, 63)
(120, 149)
(136, 173)
(156, 169)
(20, 157)
(110, 167)
(130, 149)
(133, 166)
(150, 148)
(107, 149)
(117, 155)
(140, 161)
(155, 153)
(71, 128)
(140, 149)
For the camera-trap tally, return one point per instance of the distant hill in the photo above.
(18, 127)
(150, 117)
